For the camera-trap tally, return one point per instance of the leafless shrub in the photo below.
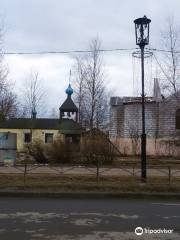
(52, 153)
(134, 134)
(38, 151)
(58, 152)
(97, 149)
(172, 146)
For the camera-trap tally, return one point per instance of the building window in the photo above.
(4, 136)
(27, 137)
(178, 119)
(48, 137)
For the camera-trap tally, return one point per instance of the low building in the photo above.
(27, 130)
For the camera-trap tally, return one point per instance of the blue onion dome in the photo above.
(69, 90)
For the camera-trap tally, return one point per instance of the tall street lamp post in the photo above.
(142, 39)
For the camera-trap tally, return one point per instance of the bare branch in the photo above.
(91, 93)
(170, 62)
(33, 95)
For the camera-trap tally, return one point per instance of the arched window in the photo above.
(178, 119)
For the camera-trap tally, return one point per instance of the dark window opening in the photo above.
(27, 137)
(48, 137)
(73, 142)
(178, 119)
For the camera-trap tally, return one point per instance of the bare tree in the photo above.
(170, 62)
(8, 104)
(33, 95)
(8, 99)
(91, 92)
(53, 113)
(79, 84)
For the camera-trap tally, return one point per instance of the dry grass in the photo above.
(135, 161)
(87, 183)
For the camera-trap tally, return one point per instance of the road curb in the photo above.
(89, 195)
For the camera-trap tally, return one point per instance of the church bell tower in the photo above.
(68, 109)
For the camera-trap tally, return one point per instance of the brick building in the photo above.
(162, 123)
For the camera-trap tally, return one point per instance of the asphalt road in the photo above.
(58, 219)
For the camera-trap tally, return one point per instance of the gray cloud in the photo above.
(45, 24)
(66, 25)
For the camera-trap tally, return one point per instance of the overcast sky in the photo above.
(55, 25)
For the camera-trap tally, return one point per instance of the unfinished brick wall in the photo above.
(126, 117)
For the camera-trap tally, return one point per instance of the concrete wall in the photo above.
(159, 147)
(126, 118)
(167, 117)
(36, 134)
(133, 119)
(126, 125)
